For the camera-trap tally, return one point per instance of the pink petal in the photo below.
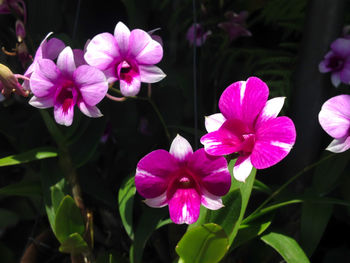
(52, 48)
(151, 74)
(90, 111)
(214, 122)
(42, 102)
(339, 145)
(65, 62)
(334, 116)
(211, 171)
(131, 88)
(159, 201)
(180, 148)
(226, 140)
(44, 79)
(322, 67)
(122, 35)
(184, 206)
(63, 115)
(102, 51)
(79, 57)
(341, 46)
(243, 167)
(212, 202)
(144, 49)
(274, 140)
(92, 84)
(272, 109)
(152, 173)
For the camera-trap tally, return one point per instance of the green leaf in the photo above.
(286, 246)
(26, 189)
(314, 219)
(7, 218)
(203, 244)
(68, 220)
(151, 219)
(260, 186)
(29, 156)
(74, 244)
(126, 203)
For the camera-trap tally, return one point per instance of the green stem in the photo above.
(279, 190)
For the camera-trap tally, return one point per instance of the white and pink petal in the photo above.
(339, 145)
(180, 148)
(151, 74)
(122, 35)
(65, 62)
(242, 168)
(214, 122)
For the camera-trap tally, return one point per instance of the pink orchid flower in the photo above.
(67, 84)
(197, 35)
(248, 125)
(337, 61)
(183, 180)
(334, 118)
(126, 56)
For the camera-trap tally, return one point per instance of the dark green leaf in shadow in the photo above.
(203, 244)
(7, 218)
(29, 156)
(74, 244)
(126, 203)
(286, 246)
(26, 189)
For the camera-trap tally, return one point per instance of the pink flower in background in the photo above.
(334, 118)
(236, 25)
(196, 34)
(67, 84)
(248, 125)
(126, 56)
(337, 61)
(183, 180)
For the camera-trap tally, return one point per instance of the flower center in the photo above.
(65, 95)
(182, 179)
(248, 143)
(125, 71)
(335, 63)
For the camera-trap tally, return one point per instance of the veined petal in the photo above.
(211, 201)
(122, 35)
(92, 84)
(143, 48)
(243, 167)
(52, 48)
(44, 79)
(90, 111)
(339, 145)
(272, 109)
(341, 46)
(131, 88)
(63, 114)
(151, 74)
(180, 148)
(214, 122)
(65, 62)
(159, 201)
(334, 116)
(274, 140)
(184, 206)
(42, 102)
(211, 171)
(102, 51)
(153, 172)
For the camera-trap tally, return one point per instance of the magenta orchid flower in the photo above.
(183, 180)
(248, 125)
(337, 61)
(67, 84)
(334, 118)
(197, 35)
(126, 56)
(235, 26)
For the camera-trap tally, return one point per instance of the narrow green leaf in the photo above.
(26, 189)
(74, 244)
(126, 203)
(260, 186)
(68, 219)
(29, 156)
(203, 244)
(314, 219)
(286, 246)
(151, 219)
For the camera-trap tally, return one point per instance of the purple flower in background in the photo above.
(196, 34)
(67, 84)
(337, 61)
(334, 118)
(183, 180)
(236, 25)
(248, 125)
(18, 6)
(48, 49)
(126, 56)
